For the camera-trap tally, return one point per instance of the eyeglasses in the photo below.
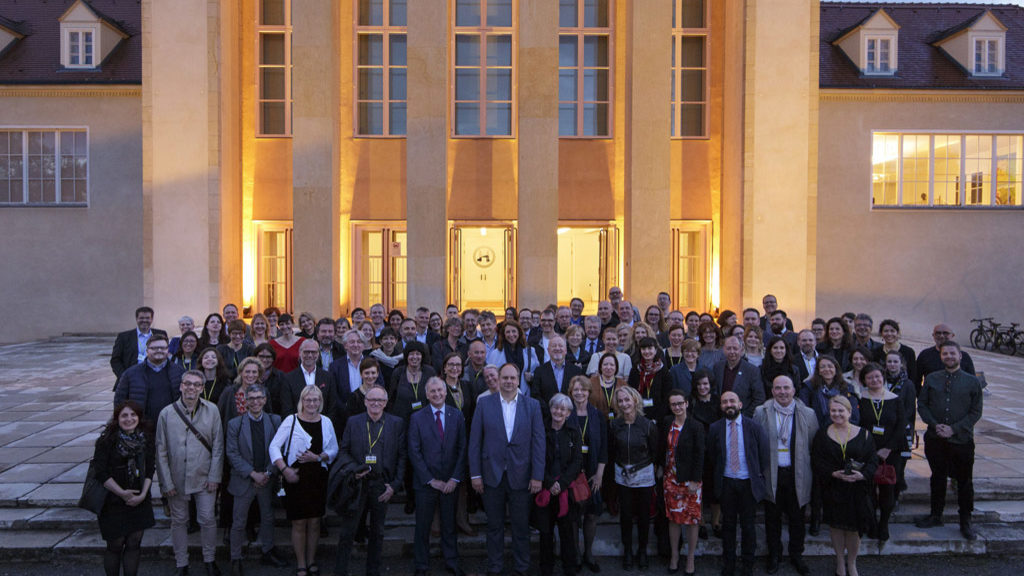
(265, 357)
(376, 400)
(192, 384)
(677, 404)
(158, 348)
(256, 398)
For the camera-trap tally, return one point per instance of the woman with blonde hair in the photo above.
(632, 448)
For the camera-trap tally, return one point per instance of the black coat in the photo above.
(689, 449)
(125, 353)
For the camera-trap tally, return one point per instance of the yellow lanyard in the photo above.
(876, 407)
(206, 395)
(607, 396)
(379, 432)
(842, 445)
(415, 385)
(586, 421)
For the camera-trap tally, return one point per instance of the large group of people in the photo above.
(680, 425)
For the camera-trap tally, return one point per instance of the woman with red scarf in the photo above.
(651, 379)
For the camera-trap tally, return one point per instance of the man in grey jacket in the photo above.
(252, 474)
(189, 462)
(790, 427)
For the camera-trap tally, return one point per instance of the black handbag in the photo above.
(94, 494)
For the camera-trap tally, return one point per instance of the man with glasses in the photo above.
(189, 464)
(950, 405)
(154, 383)
(930, 360)
(130, 345)
(374, 449)
(246, 442)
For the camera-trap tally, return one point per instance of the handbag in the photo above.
(94, 494)
(580, 488)
(885, 474)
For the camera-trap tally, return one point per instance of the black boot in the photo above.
(815, 528)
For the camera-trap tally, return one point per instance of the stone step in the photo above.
(993, 538)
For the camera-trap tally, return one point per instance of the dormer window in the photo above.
(79, 48)
(878, 58)
(988, 56)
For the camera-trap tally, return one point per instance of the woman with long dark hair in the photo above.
(125, 459)
(512, 348)
(187, 355)
(838, 342)
(214, 332)
(777, 362)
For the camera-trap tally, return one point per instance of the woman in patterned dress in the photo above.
(684, 468)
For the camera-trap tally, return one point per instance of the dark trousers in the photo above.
(785, 503)
(634, 505)
(951, 460)
(427, 500)
(547, 520)
(518, 501)
(738, 505)
(375, 535)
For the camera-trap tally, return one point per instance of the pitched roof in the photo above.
(35, 59)
(921, 64)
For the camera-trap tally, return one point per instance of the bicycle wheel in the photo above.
(1006, 344)
(978, 340)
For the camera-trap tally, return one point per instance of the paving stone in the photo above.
(53, 518)
(38, 473)
(52, 495)
(75, 475)
(10, 493)
(17, 455)
(71, 454)
(32, 539)
(15, 518)
(1007, 511)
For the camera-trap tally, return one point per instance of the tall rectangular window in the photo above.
(878, 57)
(485, 72)
(80, 48)
(381, 32)
(274, 74)
(584, 68)
(947, 170)
(986, 57)
(689, 68)
(44, 167)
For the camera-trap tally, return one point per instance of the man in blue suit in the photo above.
(739, 449)
(437, 451)
(506, 466)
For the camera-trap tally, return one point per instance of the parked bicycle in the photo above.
(992, 335)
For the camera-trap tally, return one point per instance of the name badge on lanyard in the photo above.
(585, 449)
(417, 405)
(371, 459)
(648, 403)
(878, 430)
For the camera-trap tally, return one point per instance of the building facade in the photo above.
(321, 155)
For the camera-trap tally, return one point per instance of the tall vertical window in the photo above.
(49, 167)
(947, 170)
(689, 68)
(584, 67)
(986, 57)
(381, 34)
(484, 99)
(878, 58)
(274, 76)
(80, 48)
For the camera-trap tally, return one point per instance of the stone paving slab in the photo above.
(75, 475)
(10, 494)
(52, 495)
(14, 518)
(77, 454)
(38, 473)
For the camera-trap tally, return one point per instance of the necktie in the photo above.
(590, 346)
(440, 427)
(734, 448)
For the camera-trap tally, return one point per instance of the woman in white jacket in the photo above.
(303, 449)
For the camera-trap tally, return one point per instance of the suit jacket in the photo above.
(544, 385)
(339, 377)
(432, 459)
(293, 384)
(390, 449)
(747, 385)
(337, 353)
(492, 455)
(689, 449)
(755, 448)
(805, 426)
(801, 366)
(680, 375)
(238, 450)
(126, 350)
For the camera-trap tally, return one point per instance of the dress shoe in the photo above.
(591, 565)
(182, 571)
(929, 521)
(641, 560)
(967, 531)
(236, 568)
(212, 569)
(773, 564)
(627, 561)
(800, 566)
(272, 558)
(883, 532)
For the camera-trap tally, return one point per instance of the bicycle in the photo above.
(1006, 339)
(984, 335)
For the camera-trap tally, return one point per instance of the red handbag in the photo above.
(580, 488)
(885, 474)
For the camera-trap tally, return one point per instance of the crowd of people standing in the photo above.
(677, 424)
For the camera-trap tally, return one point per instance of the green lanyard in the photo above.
(379, 432)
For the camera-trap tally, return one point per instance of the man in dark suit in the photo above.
(130, 345)
(246, 442)
(735, 374)
(777, 327)
(437, 451)
(329, 349)
(805, 356)
(506, 466)
(738, 448)
(423, 332)
(553, 377)
(345, 369)
(307, 374)
(377, 458)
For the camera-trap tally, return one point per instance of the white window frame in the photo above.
(66, 31)
(987, 56)
(873, 66)
(386, 31)
(581, 32)
(286, 30)
(678, 33)
(965, 178)
(703, 229)
(483, 31)
(56, 130)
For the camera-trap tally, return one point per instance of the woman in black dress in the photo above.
(881, 412)
(124, 463)
(650, 377)
(844, 460)
(706, 409)
(594, 433)
(303, 449)
(777, 362)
